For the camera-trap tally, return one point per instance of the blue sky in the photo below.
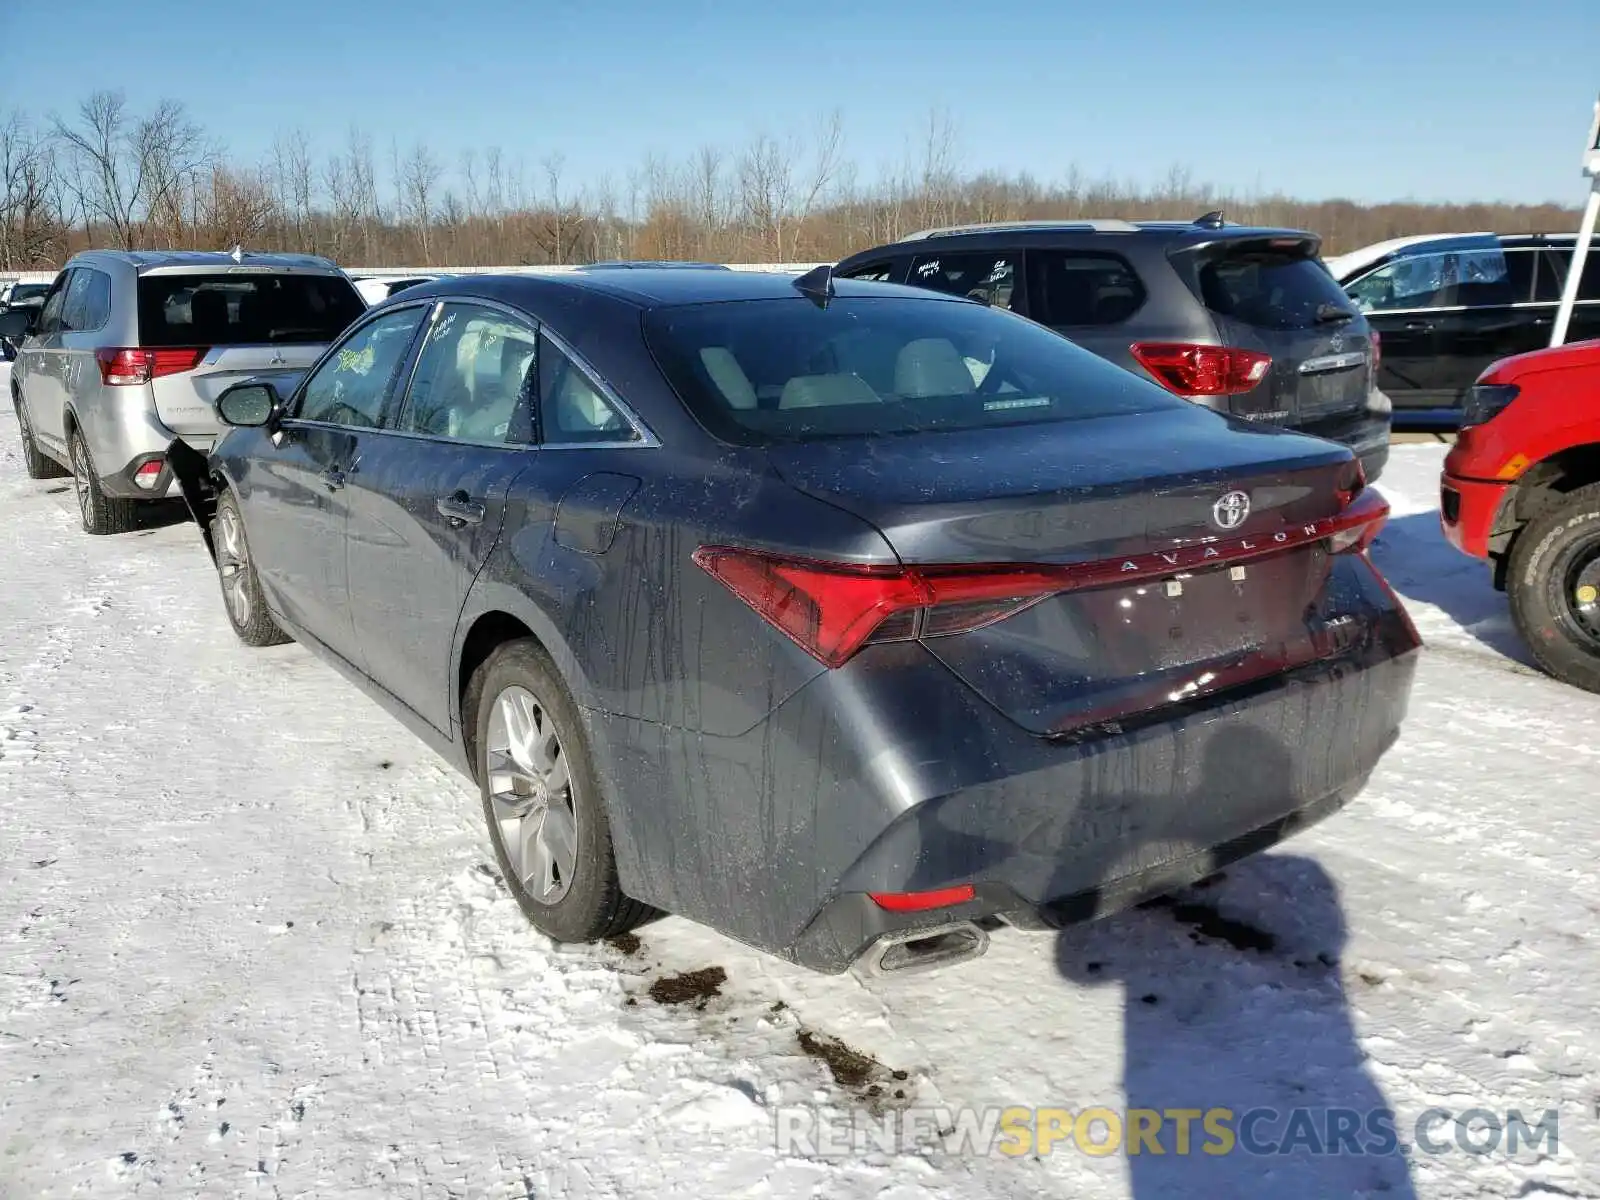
(1424, 99)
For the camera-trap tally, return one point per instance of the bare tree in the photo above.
(31, 229)
(419, 178)
(105, 180)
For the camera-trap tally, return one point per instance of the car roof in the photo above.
(653, 288)
(149, 260)
(1207, 228)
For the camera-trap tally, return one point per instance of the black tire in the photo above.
(1543, 558)
(100, 514)
(236, 573)
(593, 905)
(36, 462)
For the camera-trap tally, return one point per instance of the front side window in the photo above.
(50, 315)
(573, 410)
(350, 386)
(472, 378)
(764, 371)
(245, 309)
(1081, 289)
(1452, 279)
(985, 276)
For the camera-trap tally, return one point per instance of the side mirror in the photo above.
(16, 324)
(249, 405)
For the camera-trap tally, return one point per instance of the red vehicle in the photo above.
(1521, 488)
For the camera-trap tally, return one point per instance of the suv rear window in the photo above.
(759, 372)
(244, 310)
(1266, 286)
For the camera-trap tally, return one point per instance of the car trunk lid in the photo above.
(202, 331)
(1200, 562)
(1271, 295)
(186, 401)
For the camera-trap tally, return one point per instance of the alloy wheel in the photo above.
(233, 564)
(530, 790)
(81, 473)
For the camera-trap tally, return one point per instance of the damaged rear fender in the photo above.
(193, 473)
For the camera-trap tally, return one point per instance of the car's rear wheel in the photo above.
(100, 513)
(541, 799)
(1554, 586)
(38, 464)
(241, 588)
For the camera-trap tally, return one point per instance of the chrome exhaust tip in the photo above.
(911, 950)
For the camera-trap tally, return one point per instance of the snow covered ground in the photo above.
(251, 945)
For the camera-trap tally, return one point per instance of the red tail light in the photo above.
(1377, 354)
(1191, 370)
(832, 610)
(127, 366)
(922, 901)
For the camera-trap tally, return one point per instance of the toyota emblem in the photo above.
(1230, 511)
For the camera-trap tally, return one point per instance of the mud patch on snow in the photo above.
(692, 987)
(627, 943)
(850, 1067)
(854, 1070)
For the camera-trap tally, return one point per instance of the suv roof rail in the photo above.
(1108, 225)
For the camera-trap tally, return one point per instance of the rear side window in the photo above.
(88, 301)
(1559, 261)
(573, 410)
(985, 276)
(1081, 289)
(882, 271)
(759, 372)
(244, 310)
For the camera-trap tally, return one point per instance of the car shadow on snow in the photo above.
(1425, 569)
(1234, 998)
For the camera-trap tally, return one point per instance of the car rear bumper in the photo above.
(1468, 509)
(124, 440)
(892, 776)
(1367, 436)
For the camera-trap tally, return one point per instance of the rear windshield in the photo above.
(244, 310)
(765, 371)
(1270, 288)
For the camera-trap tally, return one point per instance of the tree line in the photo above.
(107, 175)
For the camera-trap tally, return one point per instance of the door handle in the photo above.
(460, 509)
(1419, 326)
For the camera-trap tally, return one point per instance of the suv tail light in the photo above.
(129, 366)
(1194, 370)
(832, 610)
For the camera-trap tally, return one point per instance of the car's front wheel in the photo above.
(541, 799)
(36, 462)
(241, 588)
(99, 512)
(1554, 586)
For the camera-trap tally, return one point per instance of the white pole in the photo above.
(1580, 254)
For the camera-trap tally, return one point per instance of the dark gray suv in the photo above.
(1244, 320)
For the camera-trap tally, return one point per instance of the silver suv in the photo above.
(131, 349)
